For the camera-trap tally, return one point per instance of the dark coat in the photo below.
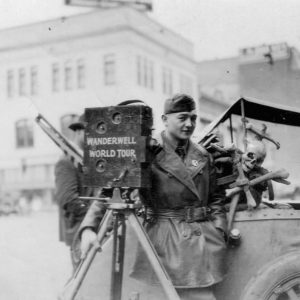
(192, 253)
(68, 181)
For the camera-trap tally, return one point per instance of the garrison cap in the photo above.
(80, 124)
(179, 103)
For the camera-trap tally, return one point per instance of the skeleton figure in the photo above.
(255, 155)
(252, 162)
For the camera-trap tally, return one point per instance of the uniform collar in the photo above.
(174, 145)
(172, 163)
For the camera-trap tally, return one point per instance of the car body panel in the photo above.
(266, 234)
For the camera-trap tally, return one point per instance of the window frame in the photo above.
(24, 133)
(109, 69)
(10, 83)
(68, 78)
(167, 80)
(22, 81)
(81, 74)
(33, 80)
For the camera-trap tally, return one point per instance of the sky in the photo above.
(218, 28)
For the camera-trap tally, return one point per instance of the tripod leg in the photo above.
(153, 257)
(119, 232)
(71, 290)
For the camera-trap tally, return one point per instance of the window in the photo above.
(10, 83)
(109, 69)
(74, 76)
(145, 72)
(139, 70)
(65, 122)
(33, 81)
(24, 133)
(167, 83)
(68, 76)
(151, 75)
(186, 85)
(170, 82)
(22, 82)
(80, 74)
(55, 77)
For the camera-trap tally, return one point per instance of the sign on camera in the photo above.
(120, 140)
(119, 153)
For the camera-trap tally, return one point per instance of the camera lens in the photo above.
(101, 127)
(117, 118)
(101, 165)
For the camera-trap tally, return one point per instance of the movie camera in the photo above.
(117, 157)
(116, 152)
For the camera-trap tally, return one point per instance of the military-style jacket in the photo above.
(192, 253)
(177, 184)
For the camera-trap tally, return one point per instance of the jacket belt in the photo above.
(189, 214)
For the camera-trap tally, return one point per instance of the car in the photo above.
(263, 257)
(266, 263)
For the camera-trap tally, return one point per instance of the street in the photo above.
(34, 264)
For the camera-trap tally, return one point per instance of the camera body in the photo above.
(116, 152)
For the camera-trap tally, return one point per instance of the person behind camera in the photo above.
(185, 218)
(68, 181)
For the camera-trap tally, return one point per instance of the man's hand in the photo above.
(88, 239)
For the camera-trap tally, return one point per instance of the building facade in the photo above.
(62, 66)
(219, 79)
(271, 72)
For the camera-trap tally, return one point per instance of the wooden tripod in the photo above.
(122, 213)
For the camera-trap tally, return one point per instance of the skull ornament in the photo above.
(255, 155)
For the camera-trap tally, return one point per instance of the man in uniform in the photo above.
(68, 180)
(186, 219)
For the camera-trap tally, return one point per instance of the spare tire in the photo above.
(278, 280)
